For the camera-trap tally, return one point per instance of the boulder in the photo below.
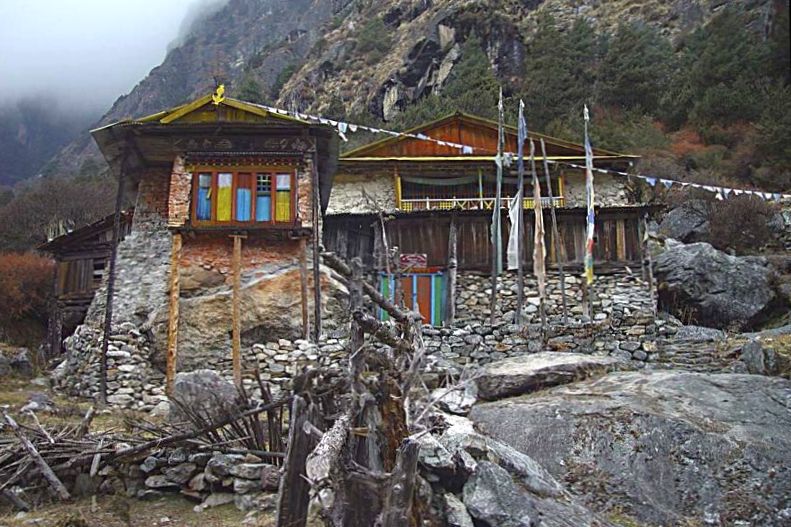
(204, 392)
(492, 498)
(5, 365)
(663, 447)
(456, 514)
(768, 357)
(712, 288)
(686, 223)
(518, 375)
(180, 474)
(21, 363)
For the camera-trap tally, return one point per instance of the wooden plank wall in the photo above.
(617, 238)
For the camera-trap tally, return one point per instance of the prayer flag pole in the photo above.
(555, 234)
(497, 241)
(591, 229)
(539, 250)
(520, 226)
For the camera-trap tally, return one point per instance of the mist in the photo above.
(83, 54)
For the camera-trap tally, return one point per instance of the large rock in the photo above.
(686, 223)
(492, 497)
(663, 447)
(204, 392)
(712, 288)
(769, 356)
(518, 375)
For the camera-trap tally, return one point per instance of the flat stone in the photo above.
(519, 375)
(180, 473)
(159, 482)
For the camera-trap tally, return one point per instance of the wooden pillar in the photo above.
(303, 284)
(620, 240)
(108, 310)
(453, 264)
(316, 211)
(236, 331)
(397, 188)
(173, 312)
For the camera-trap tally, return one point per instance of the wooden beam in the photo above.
(620, 240)
(453, 264)
(173, 312)
(303, 285)
(236, 332)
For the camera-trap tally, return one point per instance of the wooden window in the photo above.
(283, 197)
(203, 198)
(254, 196)
(244, 197)
(263, 197)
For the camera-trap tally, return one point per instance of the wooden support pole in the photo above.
(173, 312)
(397, 510)
(649, 264)
(293, 495)
(45, 469)
(560, 253)
(316, 211)
(108, 310)
(236, 332)
(303, 286)
(453, 264)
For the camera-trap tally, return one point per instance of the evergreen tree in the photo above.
(635, 69)
(560, 70)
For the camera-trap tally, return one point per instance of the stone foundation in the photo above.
(623, 327)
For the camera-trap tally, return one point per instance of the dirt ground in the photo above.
(114, 511)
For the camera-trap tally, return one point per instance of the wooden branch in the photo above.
(397, 510)
(46, 471)
(401, 315)
(381, 332)
(15, 500)
(236, 330)
(173, 312)
(85, 424)
(293, 494)
(453, 264)
(320, 462)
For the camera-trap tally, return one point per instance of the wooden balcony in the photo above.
(485, 203)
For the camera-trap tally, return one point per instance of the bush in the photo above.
(740, 223)
(25, 290)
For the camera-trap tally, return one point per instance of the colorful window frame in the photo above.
(244, 196)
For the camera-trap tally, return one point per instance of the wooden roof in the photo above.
(469, 130)
(86, 235)
(212, 126)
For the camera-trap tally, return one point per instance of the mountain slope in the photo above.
(371, 59)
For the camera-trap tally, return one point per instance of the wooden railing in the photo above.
(409, 205)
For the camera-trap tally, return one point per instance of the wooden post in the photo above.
(453, 264)
(303, 285)
(293, 497)
(108, 310)
(560, 255)
(316, 211)
(173, 312)
(236, 332)
(397, 179)
(649, 264)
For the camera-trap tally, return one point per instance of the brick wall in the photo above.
(151, 207)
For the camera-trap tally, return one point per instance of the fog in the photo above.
(83, 54)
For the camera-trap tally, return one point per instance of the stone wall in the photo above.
(347, 193)
(623, 326)
(610, 191)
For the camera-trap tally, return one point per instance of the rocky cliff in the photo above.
(365, 58)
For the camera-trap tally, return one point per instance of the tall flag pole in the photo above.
(591, 225)
(539, 248)
(497, 239)
(518, 208)
(559, 255)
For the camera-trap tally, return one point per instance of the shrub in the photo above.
(25, 289)
(740, 223)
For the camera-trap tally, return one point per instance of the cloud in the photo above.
(86, 53)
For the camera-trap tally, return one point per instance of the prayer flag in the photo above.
(588, 259)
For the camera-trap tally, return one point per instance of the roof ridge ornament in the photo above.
(219, 95)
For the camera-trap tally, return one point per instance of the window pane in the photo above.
(203, 207)
(244, 198)
(263, 197)
(283, 198)
(224, 196)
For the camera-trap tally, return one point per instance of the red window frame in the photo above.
(251, 171)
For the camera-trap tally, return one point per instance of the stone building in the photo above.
(418, 185)
(227, 198)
